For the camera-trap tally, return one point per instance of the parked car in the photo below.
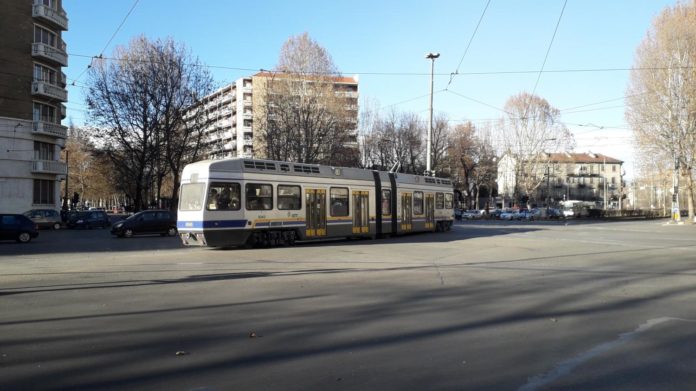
(508, 215)
(45, 218)
(472, 214)
(146, 222)
(555, 213)
(458, 213)
(495, 213)
(89, 219)
(17, 227)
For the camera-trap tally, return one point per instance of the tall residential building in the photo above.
(229, 114)
(32, 96)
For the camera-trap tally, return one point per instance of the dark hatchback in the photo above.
(17, 227)
(146, 222)
(89, 219)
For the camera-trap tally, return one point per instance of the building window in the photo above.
(48, 3)
(44, 192)
(44, 112)
(42, 35)
(613, 180)
(43, 151)
(339, 201)
(613, 168)
(44, 73)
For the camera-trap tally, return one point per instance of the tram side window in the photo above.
(259, 196)
(386, 202)
(417, 202)
(448, 201)
(191, 197)
(339, 201)
(439, 200)
(224, 196)
(289, 197)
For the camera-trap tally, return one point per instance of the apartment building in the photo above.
(32, 97)
(567, 176)
(229, 114)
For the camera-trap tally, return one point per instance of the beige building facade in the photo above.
(230, 114)
(566, 176)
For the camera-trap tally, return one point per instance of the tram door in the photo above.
(406, 211)
(315, 203)
(429, 211)
(361, 212)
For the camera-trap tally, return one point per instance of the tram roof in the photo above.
(312, 170)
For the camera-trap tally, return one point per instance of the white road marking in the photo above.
(566, 367)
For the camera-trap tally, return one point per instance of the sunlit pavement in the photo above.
(489, 305)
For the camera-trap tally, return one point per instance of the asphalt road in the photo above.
(487, 306)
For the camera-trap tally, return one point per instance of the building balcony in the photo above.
(249, 142)
(248, 116)
(231, 146)
(50, 91)
(246, 129)
(49, 167)
(50, 129)
(57, 18)
(46, 52)
(247, 102)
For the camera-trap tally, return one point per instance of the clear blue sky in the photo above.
(384, 42)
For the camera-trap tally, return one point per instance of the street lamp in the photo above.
(432, 57)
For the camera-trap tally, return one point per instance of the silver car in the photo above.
(45, 218)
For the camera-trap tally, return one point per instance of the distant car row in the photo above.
(24, 227)
(512, 214)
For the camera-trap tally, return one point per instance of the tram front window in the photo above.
(191, 197)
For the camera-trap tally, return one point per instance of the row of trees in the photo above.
(148, 121)
(137, 104)
(661, 98)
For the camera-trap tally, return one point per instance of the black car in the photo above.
(89, 219)
(146, 222)
(17, 227)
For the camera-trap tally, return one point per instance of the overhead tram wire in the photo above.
(548, 50)
(101, 53)
(471, 73)
(468, 45)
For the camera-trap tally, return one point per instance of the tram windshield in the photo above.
(191, 197)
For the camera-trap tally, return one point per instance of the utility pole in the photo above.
(67, 175)
(432, 57)
(676, 216)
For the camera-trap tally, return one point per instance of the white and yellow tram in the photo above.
(233, 202)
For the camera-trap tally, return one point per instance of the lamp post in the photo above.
(432, 57)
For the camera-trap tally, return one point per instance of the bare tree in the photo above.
(138, 101)
(661, 102)
(472, 158)
(530, 129)
(440, 139)
(306, 115)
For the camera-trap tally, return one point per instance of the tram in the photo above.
(235, 202)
